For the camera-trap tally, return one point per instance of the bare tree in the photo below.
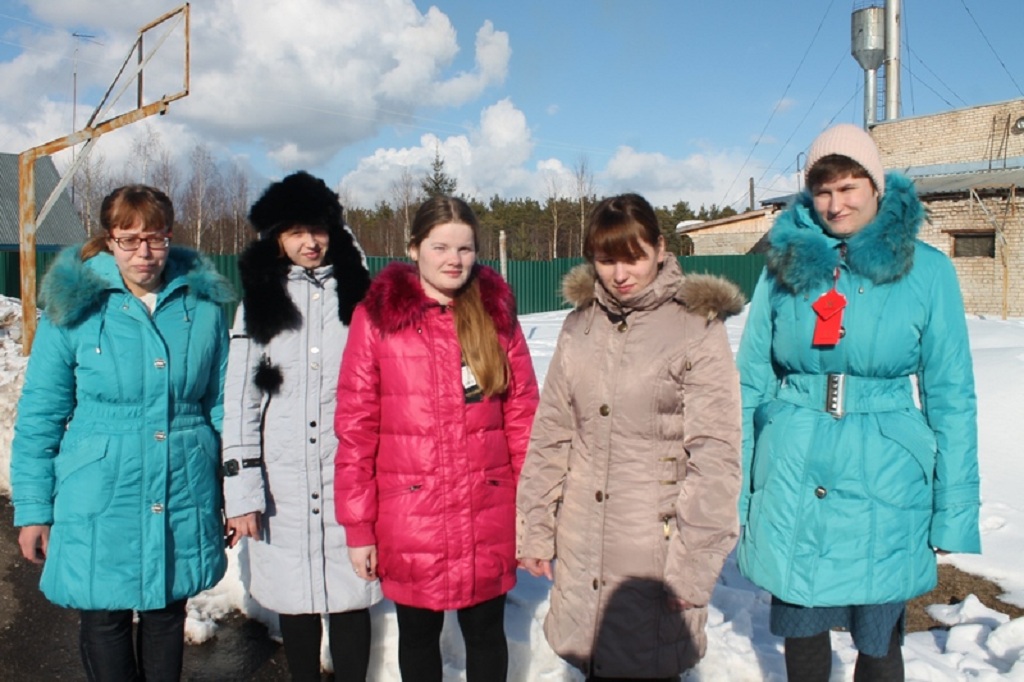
(583, 180)
(553, 185)
(165, 174)
(405, 195)
(199, 193)
(236, 202)
(91, 183)
(146, 148)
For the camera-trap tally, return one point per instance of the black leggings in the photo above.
(809, 659)
(349, 633)
(483, 630)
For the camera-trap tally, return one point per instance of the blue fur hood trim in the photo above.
(802, 255)
(73, 288)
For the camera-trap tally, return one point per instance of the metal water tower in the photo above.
(867, 44)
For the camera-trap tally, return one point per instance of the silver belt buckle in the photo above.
(835, 394)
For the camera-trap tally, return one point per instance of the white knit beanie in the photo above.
(852, 142)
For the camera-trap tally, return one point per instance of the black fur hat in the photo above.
(299, 199)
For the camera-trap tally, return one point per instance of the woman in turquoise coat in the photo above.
(851, 485)
(115, 458)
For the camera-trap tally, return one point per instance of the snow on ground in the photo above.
(981, 644)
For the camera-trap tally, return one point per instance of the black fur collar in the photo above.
(264, 272)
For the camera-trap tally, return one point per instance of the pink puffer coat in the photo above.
(424, 474)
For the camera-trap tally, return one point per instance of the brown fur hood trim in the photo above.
(709, 296)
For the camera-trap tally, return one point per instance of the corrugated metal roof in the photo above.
(62, 225)
(960, 183)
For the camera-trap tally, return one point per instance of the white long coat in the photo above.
(301, 564)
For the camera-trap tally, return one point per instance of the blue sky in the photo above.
(676, 99)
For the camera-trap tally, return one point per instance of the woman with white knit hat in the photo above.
(851, 485)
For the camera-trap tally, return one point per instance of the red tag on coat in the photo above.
(829, 308)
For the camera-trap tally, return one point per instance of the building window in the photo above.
(974, 245)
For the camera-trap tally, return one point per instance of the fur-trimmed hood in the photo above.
(396, 299)
(802, 255)
(706, 295)
(269, 310)
(72, 288)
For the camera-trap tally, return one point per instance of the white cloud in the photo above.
(490, 159)
(305, 78)
(700, 179)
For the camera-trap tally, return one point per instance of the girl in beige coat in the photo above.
(633, 472)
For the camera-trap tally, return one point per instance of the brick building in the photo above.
(968, 166)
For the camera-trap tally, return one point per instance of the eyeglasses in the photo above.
(133, 243)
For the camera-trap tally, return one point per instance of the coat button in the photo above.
(842, 332)
(160, 436)
(316, 510)
(314, 349)
(316, 296)
(622, 326)
(820, 492)
(314, 365)
(605, 410)
(159, 363)
(596, 583)
(599, 496)
(312, 440)
(315, 496)
(157, 508)
(312, 423)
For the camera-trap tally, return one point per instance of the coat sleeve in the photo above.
(946, 385)
(213, 401)
(544, 472)
(242, 436)
(521, 399)
(47, 401)
(706, 510)
(357, 425)
(759, 383)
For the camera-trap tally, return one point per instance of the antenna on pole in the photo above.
(79, 37)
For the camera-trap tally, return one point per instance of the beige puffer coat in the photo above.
(633, 472)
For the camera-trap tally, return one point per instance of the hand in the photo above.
(537, 567)
(364, 561)
(676, 605)
(34, 542)
(244, 526)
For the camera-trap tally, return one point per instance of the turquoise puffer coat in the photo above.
(846, 511)
(116, 441)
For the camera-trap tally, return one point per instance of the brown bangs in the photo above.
(621, 241)
(835, 167)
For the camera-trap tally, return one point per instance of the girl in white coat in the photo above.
(301, 280)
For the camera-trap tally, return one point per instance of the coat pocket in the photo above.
(902, 471)
(86, 475)
(768, 429)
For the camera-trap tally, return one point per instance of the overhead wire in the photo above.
(781, 99)
(991, 47)
(906, 41)
(807, 112)
(937, 77)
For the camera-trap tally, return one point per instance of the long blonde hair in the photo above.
(475, 328)
(121, 207)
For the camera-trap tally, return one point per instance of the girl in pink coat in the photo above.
(435, 401)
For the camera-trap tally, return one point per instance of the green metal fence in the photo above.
(537, 284)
